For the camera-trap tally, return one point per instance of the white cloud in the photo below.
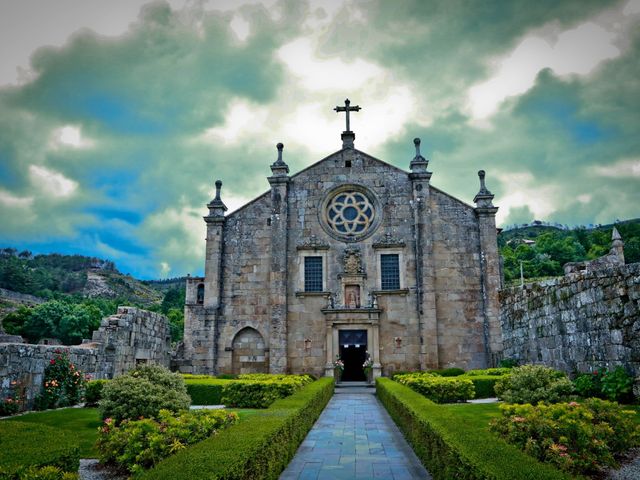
(53, 183)
(576, 51)
(9, 200)
(584, 198)
(629, 167)
(69, 136)
(165, 268)
(242, 120)
(521, 189)
(322, 74)
(240, 26)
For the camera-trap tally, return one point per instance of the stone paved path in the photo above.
(354, 438)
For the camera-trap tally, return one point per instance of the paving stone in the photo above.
(354, 438)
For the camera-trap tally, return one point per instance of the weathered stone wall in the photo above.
(577, 323)
(130, 337)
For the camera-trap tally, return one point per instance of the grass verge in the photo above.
(454, 442)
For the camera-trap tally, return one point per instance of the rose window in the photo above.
(350, 213)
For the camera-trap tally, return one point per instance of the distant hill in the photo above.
(88, 277)
(544, 248)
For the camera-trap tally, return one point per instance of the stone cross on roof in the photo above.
(347, 108)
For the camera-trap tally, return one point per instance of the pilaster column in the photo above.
(278, 276)
(490, 271)
(207, 350)
(425, 271)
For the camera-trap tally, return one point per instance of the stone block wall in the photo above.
(578, 323)
(130, 337)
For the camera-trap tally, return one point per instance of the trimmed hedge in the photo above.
(439, 389)
(205, 390)
(259, 447)
(483, 385)
(451, 448)
(22, 446)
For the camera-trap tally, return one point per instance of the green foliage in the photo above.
(93, 392)
(259, 447)
(483, 385)
(450, 446)
(498, 372)
(533, 384)
(438, 389)
(577, 438)
(63, 383)
(553, 248)
(447, 372)
(508, 363)
(55, 319)
(143, 392)
(617, 385)
(140, 444)
(204, 390)
(24, 445)
(39, 473)
(261, 390)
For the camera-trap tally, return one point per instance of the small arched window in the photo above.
(200, 294)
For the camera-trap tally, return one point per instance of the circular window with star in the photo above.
(350, 213)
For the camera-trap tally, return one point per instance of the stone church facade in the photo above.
(352, 258)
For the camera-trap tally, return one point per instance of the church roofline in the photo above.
(259, 197)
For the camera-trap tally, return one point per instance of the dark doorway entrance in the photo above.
(353, 352)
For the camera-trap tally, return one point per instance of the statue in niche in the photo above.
(352, 296)
(352, 261)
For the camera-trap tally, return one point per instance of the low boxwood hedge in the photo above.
(451, 448)
(483, 385)
(205, 390)
(24, 445)
(259, 447)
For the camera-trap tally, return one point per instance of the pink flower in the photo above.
(52, 361)
(573, 404)
(518, 419)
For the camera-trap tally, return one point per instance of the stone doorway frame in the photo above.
(353, 319)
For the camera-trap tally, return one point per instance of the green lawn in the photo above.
(82, 423)
(476, 414)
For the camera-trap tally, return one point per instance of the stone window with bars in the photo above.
(313, 274)
(390, 271)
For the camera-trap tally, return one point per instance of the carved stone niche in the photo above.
(352, 279)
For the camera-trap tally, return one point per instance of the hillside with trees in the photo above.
(79, 291)
(544, 249)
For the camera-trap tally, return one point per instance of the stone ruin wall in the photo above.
(577, 323)
(124, 340)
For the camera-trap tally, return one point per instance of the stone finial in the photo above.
(216, 206)
(615, 235)
(617, 246)
(419, 164)
(279, 168)
(484, 196)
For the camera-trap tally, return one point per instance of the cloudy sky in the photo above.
(117, 116)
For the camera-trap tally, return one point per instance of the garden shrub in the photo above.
(579, 438)
(439, 389)
(509, 363)
(451, 448)
(143, 392)
(617, 385)
(63, 383)
(259, 447)
(205, 391)
(93, 392)
(22, 447)
(483, 385)
(261, 390)
(447, 372)
(533, 384)
(39, 473)
(140, 444)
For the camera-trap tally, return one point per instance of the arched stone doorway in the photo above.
(249, 352)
